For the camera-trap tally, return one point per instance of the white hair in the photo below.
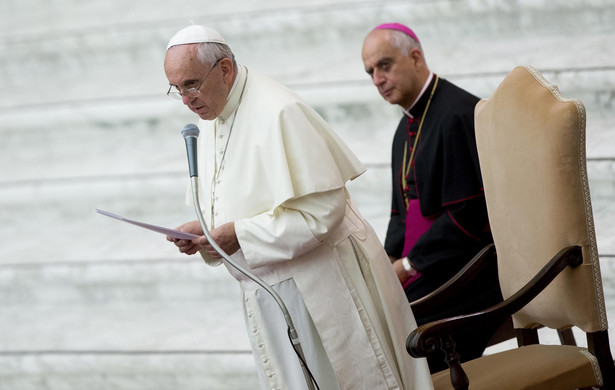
(404, 43)
(210, 52)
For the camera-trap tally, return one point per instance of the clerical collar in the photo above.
(420, 95)
(234, 96)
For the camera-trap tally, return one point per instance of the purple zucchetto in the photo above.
(399, 27)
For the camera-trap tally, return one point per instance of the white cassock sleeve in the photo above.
(291, 229)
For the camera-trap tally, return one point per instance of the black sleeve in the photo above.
(456, 236)
(394, 240)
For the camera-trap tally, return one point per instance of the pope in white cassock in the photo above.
(273, 177)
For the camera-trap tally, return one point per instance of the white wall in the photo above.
(87, 302)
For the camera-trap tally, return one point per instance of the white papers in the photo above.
(169, 232)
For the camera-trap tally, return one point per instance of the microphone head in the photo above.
(190, 130)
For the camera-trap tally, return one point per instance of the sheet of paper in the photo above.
(166, 231)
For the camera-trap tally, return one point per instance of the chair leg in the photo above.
(598, 345)
(530, 336)
(527, 337)
(566, 337)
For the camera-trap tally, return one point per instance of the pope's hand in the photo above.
(187, 246)
(224, 236)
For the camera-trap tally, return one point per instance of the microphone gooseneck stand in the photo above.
(190, 134)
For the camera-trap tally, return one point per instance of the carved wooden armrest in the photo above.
(439, 297)
(427, 338)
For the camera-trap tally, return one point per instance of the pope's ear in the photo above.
(227, 68)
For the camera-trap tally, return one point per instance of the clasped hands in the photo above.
(224, 236)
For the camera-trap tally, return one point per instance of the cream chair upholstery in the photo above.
(531, 145)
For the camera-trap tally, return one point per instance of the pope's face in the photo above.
(397, 77)
(185, 71)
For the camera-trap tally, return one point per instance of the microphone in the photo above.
(190, 132)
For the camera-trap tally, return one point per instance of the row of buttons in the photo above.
(261, 346)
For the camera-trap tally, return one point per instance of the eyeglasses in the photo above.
(174, 92)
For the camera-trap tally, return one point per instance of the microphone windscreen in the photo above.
(190, 130)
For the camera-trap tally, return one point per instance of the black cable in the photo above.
(301, 358)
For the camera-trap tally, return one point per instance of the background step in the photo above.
(87, 302)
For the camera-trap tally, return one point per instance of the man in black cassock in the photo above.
(438, 213)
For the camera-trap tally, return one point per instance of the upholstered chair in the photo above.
(531, 145)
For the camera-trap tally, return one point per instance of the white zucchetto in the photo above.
(195, 34)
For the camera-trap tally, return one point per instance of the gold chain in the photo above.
(406, 169)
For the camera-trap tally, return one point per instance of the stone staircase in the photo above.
(89, 303)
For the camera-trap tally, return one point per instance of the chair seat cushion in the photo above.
(531, 367)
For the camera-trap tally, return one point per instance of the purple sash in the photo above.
(416, 226)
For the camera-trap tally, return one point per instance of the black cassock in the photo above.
(446, 180)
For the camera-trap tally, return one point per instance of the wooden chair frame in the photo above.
(466, 275)
(426, 339)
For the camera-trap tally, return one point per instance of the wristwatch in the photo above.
(405, 262)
